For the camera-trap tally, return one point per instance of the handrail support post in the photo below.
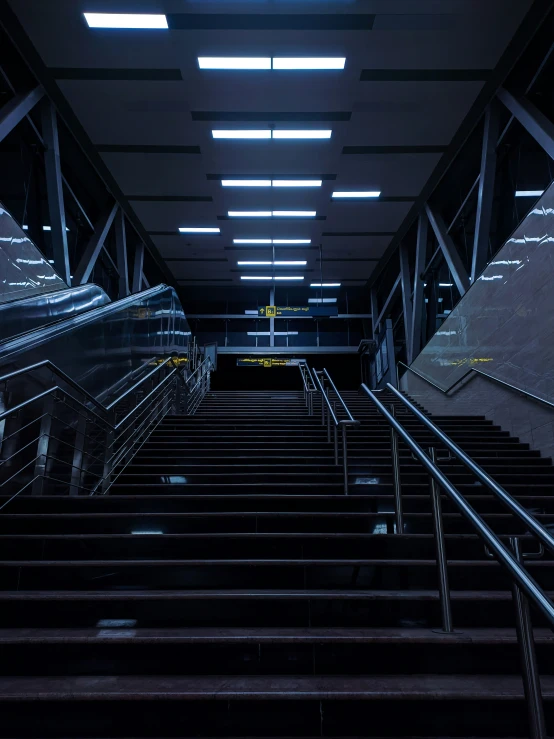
(398, 515)
(438, 531)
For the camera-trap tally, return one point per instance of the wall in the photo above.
(504, 325)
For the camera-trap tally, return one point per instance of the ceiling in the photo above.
(413, 69)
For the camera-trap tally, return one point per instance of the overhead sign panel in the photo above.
(277, 311)
(269, 362)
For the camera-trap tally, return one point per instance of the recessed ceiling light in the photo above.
(286, 277)
(325, 284)
(288, 263)
(242, 134)
(196, 230)
(234, 62)
(255, 277)
(297, 183)
(254, 264)
(351, 194)
(125, 20)
(296, 134)
(249, 214)
(246, 183)
(294, 213)
(322, 300)
(529, 193)
(292, 241)
(251, 241)
(309, 62)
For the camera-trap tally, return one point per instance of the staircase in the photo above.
(227, 587)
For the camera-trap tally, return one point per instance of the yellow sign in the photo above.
(267, 362)
(270, 311)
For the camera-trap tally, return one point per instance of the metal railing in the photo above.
(473, 371)
(330, 396)
(62, 440)
(523, 585)
(308, 386)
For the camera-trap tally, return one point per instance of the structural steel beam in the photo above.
(391, 296)
(94, 246)
(531, 118)
(406, 298)
(145, 281)
(54, 191)
(485, 195)
(453, 259)
(18, 107)
(121, 254)
(374, 312)
(418, 300)
(137, 268)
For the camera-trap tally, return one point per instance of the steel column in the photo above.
(406, 299)
(94, 246)
(121, 254)
(531, 118)
(485, 194)
(54, 190)
(137, 268)
(391, 355)
(418, 299)
(453, 259)
(16, 109)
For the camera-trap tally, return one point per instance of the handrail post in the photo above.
(438, 530)
(529, 667)
(398, 516)
(326, 391)
(43, 447)
(336, 439)
(344, 458)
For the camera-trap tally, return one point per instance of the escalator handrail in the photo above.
(503, 495)
(45, 333)
(516, 571)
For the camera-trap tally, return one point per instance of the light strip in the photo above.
(347, 194)
(297, 183)
(251, 241)
(144, 533)
(325, 284)
(270, 214)
(322, 300)
(529, 193)
(294, 213)
(44, 228)
(195, 230)
(266, 133)
(125, 20)
(446, 284)
(249, 214)
(257, 277)
(234, 62)
(286, 277)
(246, 183)
(285, 263)
(275, 333)
(302, 134)
(242, 134)
(292, 241)
(309, 62)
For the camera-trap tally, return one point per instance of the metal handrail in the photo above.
(309, 390)
(516, 508)
(325, 398)
(474, 371)
(491, 540)
(339, 396)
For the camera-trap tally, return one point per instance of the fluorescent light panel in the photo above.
(275, 333)
(322, 300)
(271, 214)
(446, 284)
(297, 183)
(271, 183)
(265, 62)
(266, 277)
(125, 20)
(352, 194)
(277, 263)
(325, 284)
(234, 62)
(529, 193)
(242, 134)
(272, 241)
(197, 230)
(266, 133)
(246, 183)
(309, 62)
